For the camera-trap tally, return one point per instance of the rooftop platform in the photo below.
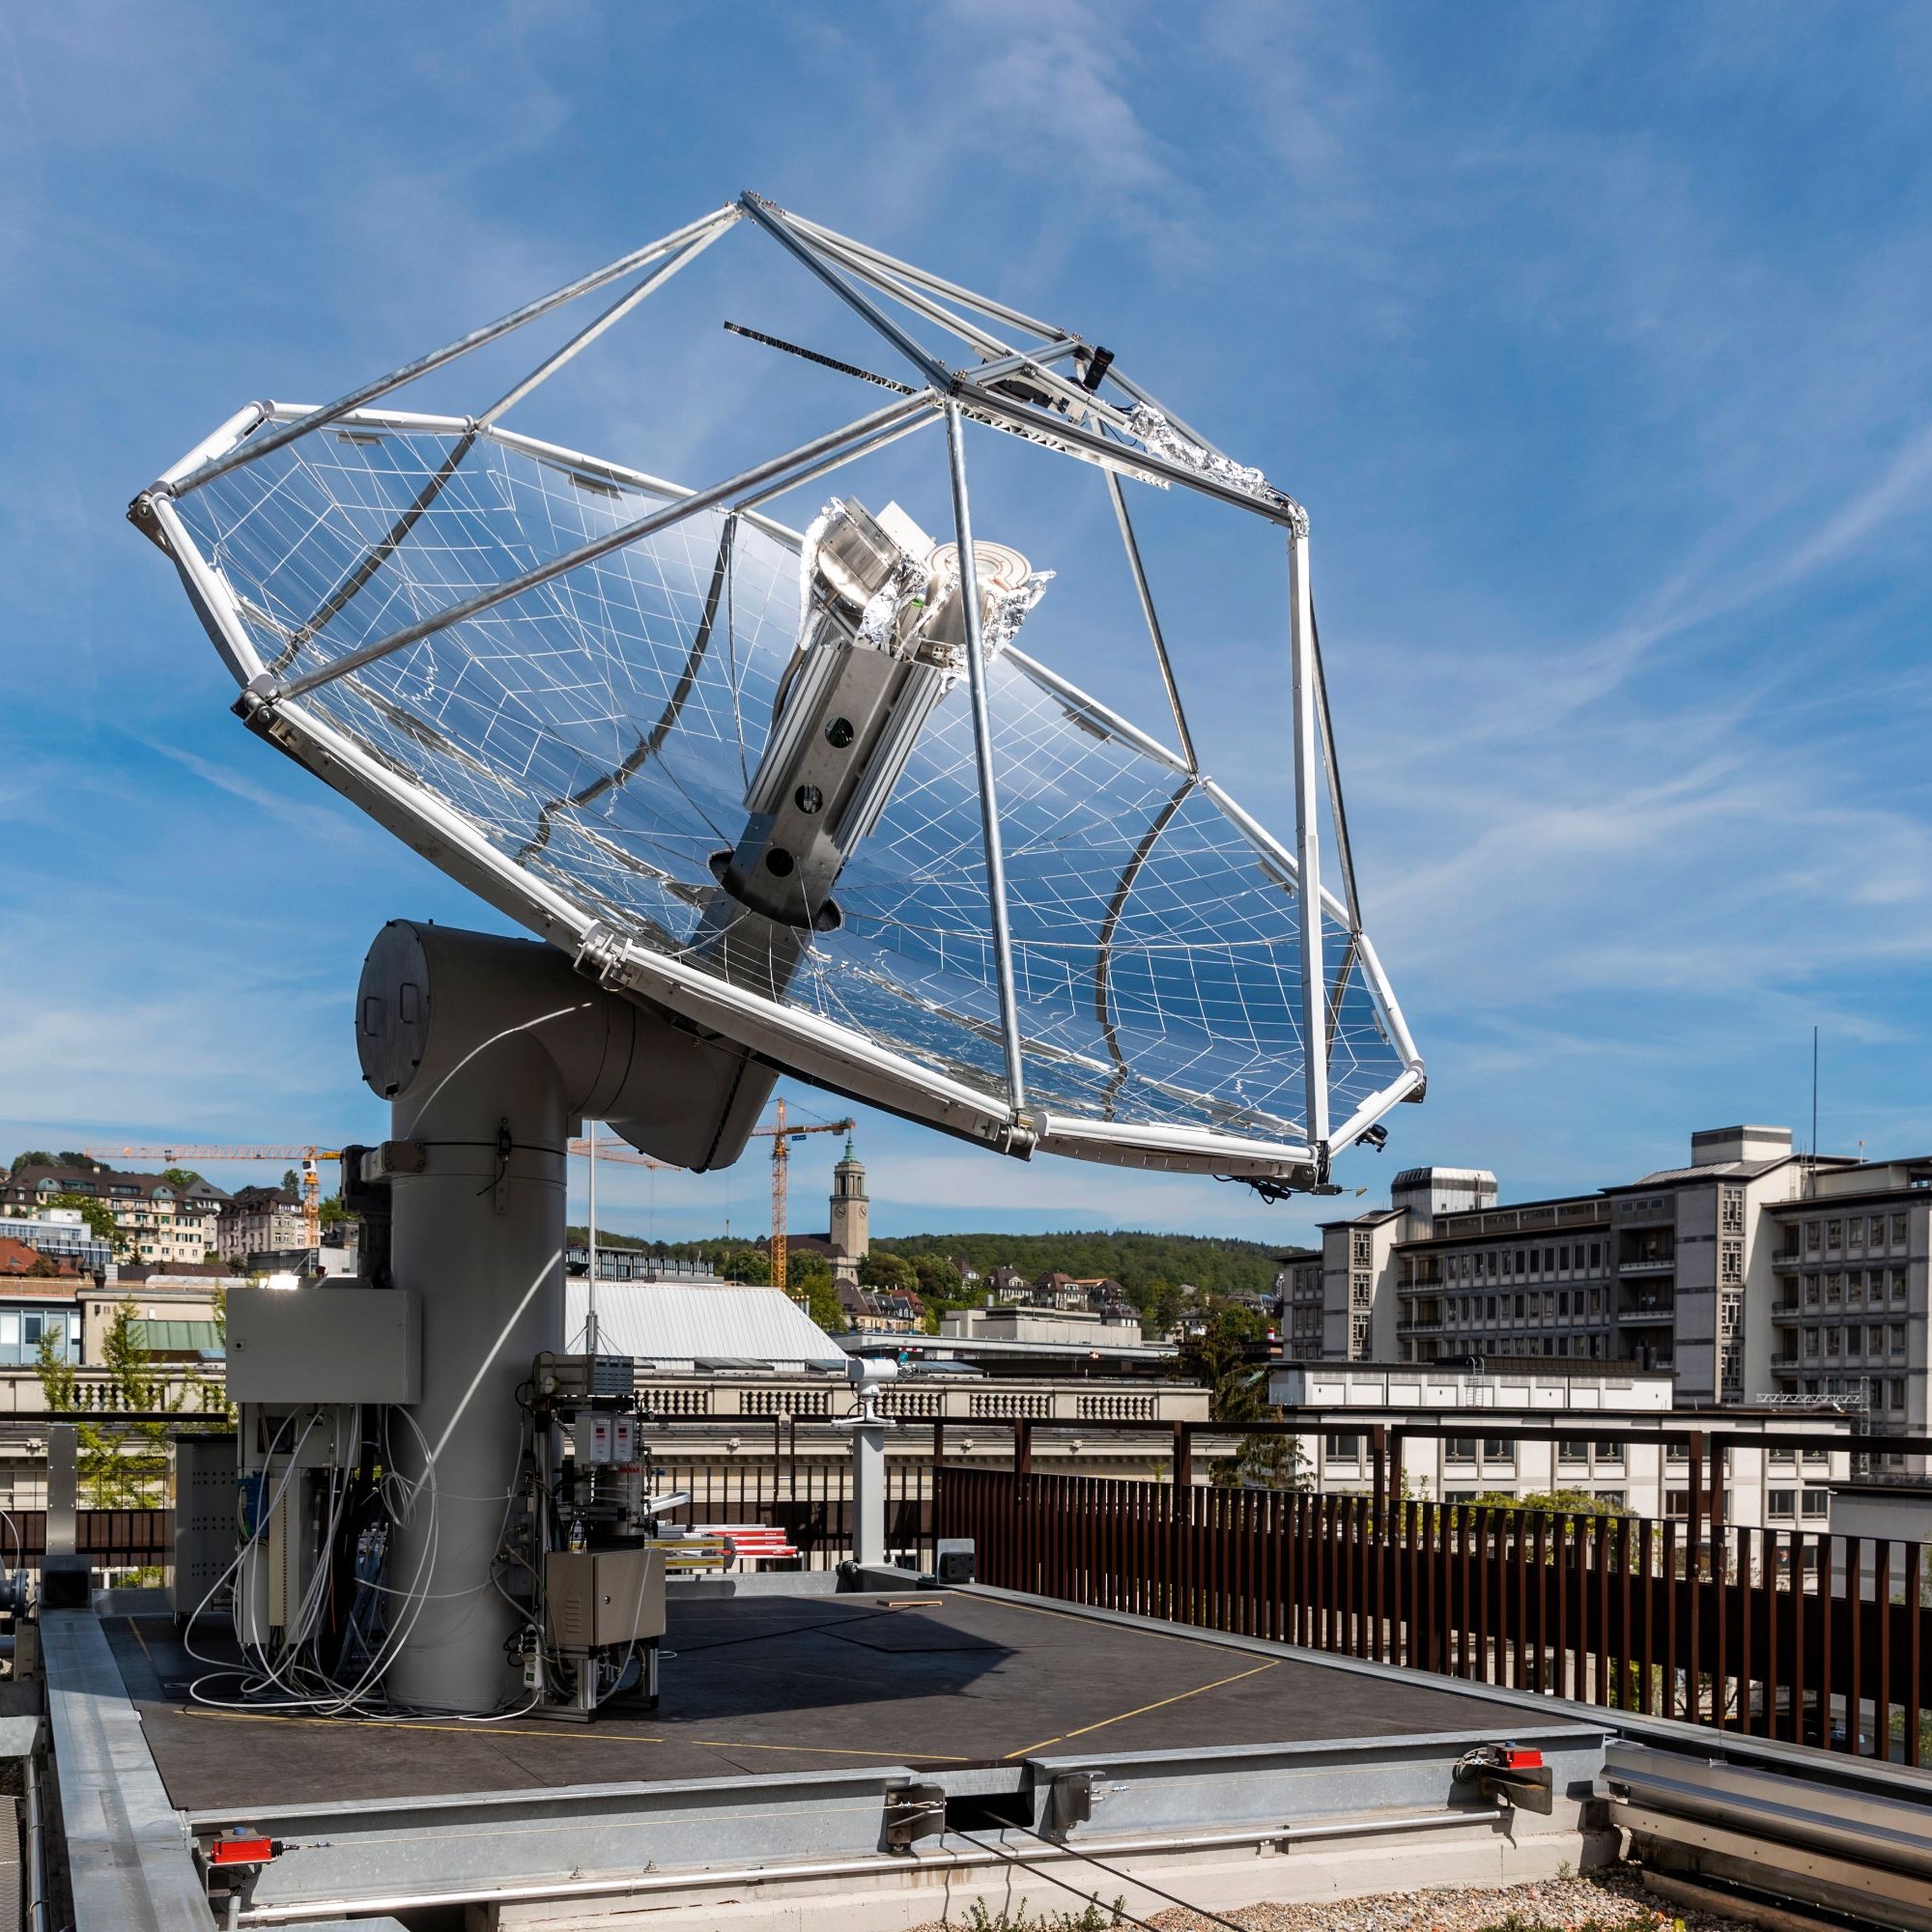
(771, 1684)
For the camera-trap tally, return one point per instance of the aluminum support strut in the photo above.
(287, 433)
(982, 746)
(879, 423)
(1308, 842)
(1153, 616)
(772, 221)
(591, 331)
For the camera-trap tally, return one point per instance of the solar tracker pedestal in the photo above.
(491, 1051)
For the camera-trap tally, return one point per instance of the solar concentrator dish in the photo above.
(822, 787)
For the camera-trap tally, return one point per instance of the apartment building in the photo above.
(1847, 1306)
(1751, 1273)
(163, 1224)
(261, 1221)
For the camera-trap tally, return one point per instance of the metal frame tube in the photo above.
(1287, 513)
(982, 746)
(589, 334)
(900, 289)
(1308, 842)
(924, 279)
(278, 439)
(1103, 715)
(1146, 595)
(772, 221)
(612, 540)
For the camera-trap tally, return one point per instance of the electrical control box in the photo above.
(325, 1344)
(581, 1377)
(207, 1526)
(594, 1598)
(599, 1438)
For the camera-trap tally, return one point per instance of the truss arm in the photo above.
(1153, 617)
(982, 746)
(775, 224)
(1308, 843)
(287, 433)
(923, 279)
(849, 442)
(612, 315)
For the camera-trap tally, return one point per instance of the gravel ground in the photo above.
(1612, 1902)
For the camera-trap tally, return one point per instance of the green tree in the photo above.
(329, 1210)
(33, 1158)
(751, 1265)
(894, 1273)
(76, 1157)
(291, 1181)
(938, 1281)
(810, 1283)
(99, 1218)
(180, 1176)
(1556, 1502)
(123, 1465)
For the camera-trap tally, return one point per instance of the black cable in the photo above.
(1093, 1898)
(1087, 1857)
(823, 361)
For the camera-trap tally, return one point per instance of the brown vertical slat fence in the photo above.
(1814, 1638)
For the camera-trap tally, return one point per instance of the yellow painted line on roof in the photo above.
(1141, 1711)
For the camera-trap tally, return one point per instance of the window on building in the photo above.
(1781, 1503)
(1498, 1449)
(1491, 1303)
(1834, 1289)
(1595, 1254)
(1897, 1332)
(1677, 1502)
(1573, 1452)
(1834, 1235)
(1855, 1233)
(1896, 1391)
(1344, 1448)
(1614, 1497)
(1833, 1339)
(1460, 1449)
(1550, 1261)
(1790, 1237)
(1563, 1304)
(1815, 1505)
(1875, 1340)
(1519, 1308)
(1899, 1231)
(1813, 1291)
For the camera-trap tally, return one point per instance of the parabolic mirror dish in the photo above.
(736, 765)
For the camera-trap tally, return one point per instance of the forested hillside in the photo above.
(1142, 1263)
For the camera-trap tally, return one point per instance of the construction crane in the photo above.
(180, 1154)
(781, 1134)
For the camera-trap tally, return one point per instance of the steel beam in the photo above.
(852, 440)
(287, 433)
(982, 746)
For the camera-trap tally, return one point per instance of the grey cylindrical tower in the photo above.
(491, 1051)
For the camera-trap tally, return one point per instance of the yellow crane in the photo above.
(181, 1155)
(780, 1133)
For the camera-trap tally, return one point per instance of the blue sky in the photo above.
(1593, 338)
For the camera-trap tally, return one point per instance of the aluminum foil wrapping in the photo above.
(1159, 437)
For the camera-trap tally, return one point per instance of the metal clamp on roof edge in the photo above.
(1513, 1775)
